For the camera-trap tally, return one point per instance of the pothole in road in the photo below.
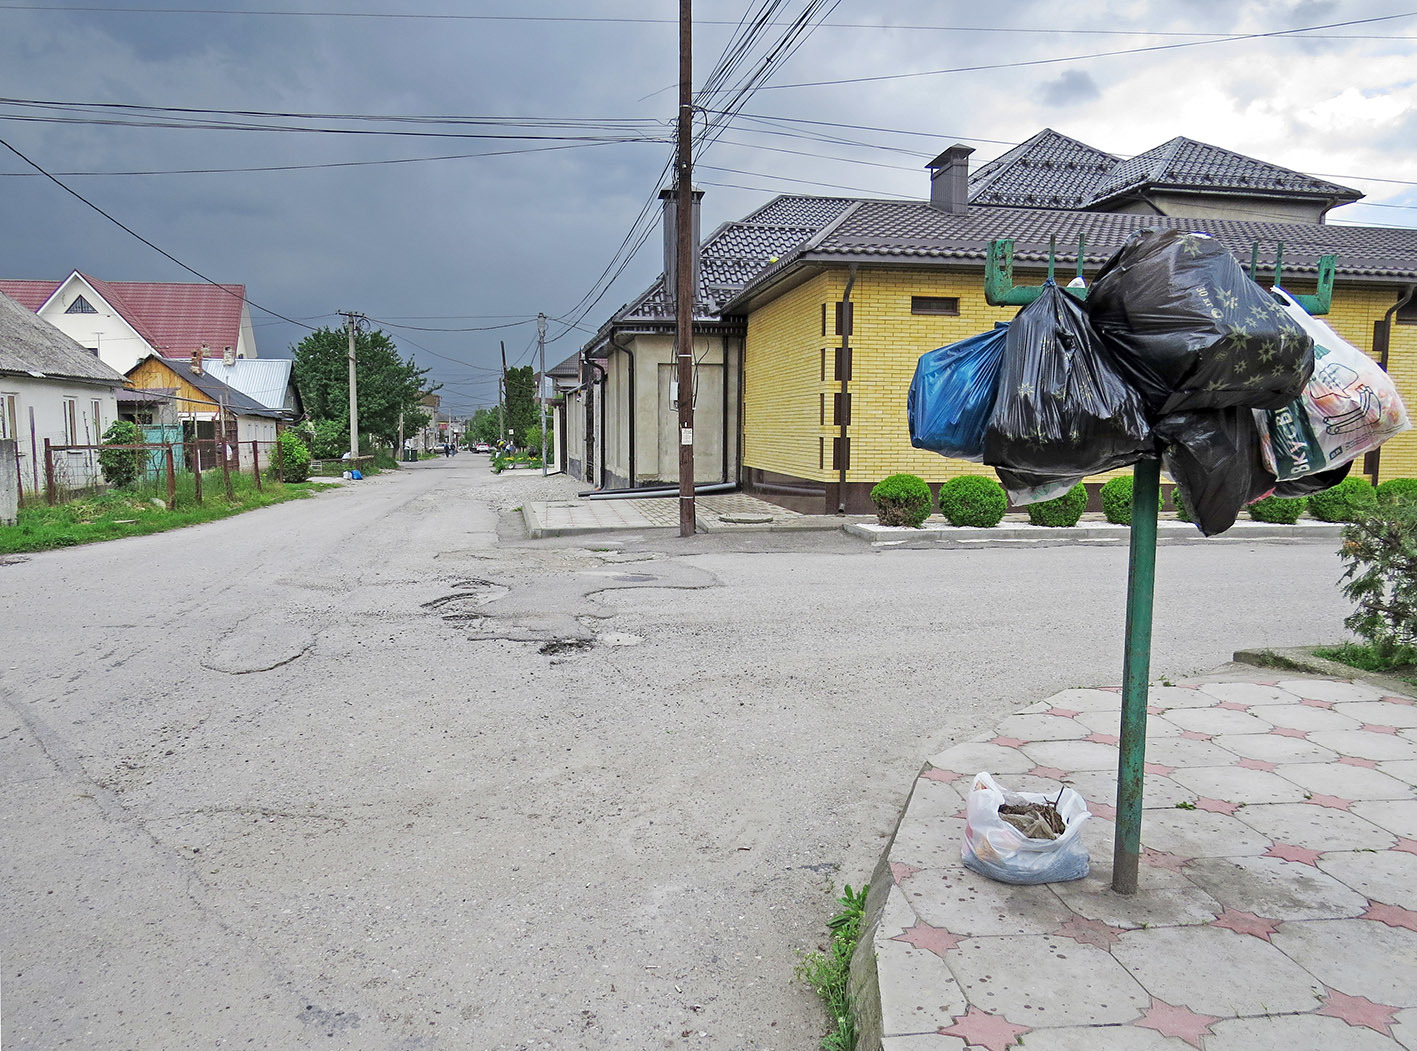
(558, 646)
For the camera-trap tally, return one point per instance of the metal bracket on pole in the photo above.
(999, 287)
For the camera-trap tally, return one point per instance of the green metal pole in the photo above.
(1136, 669)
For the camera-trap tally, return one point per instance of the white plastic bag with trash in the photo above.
(995, 848)
(1349, 407)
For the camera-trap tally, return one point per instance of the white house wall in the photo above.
(46, 399)
(246, 336)
(116, 342)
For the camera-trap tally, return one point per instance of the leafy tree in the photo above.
(121, 466)
(293, 462)
(389, 387)
(483, 426)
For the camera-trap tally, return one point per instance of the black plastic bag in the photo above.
(1192, 331)
(1313, 483)
(1062, 406)
(1213, 455)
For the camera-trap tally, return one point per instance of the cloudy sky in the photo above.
(453, 230)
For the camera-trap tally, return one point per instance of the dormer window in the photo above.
(81, 306)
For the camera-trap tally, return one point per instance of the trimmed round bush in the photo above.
(121, 467)
(1182, 511)
(973, 501)
(1347, 501)
(291, 461)
(1061, 512)
(1398, 491)
(902, 500)
(1117, 500)
(1278, 510)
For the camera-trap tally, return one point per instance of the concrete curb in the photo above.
(1019, 532)
(1303, 659)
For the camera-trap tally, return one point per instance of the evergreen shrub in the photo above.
(902, 500)
(1060, 512)
(1379, 555)
(1182, 511)
(1397, 491)
(1117, 500)
(1278, 510)
(1347, 501)
(971, 500)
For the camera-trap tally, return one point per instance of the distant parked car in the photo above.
(482, 447)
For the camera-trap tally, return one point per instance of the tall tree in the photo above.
(521, 402)
(387, 385)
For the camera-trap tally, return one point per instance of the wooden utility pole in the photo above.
(684, 267)
(502, 401)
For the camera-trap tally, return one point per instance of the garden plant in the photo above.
(1062, 511)
(902, 500)
(971, 500)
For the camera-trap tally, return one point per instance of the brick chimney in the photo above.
(949, 179)
(228, 356)
(671, 256)
(197, 356)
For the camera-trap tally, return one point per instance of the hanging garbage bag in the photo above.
(1024, 488)
(1062, 407)
(1213, 455)
(1312, 483)
(1192, 331)
(1000, 849)
(1349, 407)
(952, 395)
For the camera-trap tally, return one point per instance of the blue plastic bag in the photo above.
(952, 395)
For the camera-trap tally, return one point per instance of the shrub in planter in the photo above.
(1117, 500)
(121, 467)
(1347, 501)
(902, 500)
(971, 500)
(1278, 510)
(1064, 511)
(291, 459)
(1397, 491)
(1182, 511)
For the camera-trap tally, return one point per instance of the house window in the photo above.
(97, 409)
(9, 417)
(71, 421)
(934, 305)
(81, 306)
(1407, 313)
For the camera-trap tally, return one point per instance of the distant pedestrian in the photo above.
(447, 449)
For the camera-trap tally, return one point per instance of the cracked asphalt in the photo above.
(374, 771)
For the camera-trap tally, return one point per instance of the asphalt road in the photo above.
(373, 771)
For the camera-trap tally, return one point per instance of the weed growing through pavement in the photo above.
(827, 973)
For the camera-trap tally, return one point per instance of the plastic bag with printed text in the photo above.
(995, 848)
(952, 395)
(1349, 407)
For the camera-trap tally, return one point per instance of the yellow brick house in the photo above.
(825, 304)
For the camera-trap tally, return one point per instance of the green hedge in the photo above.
(1347, 501)
(902, 500)
(1278, 510)
(1398, 491)
(1062, 511)
(971, 500)
(1117, 500)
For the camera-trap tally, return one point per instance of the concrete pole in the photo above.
(541, 382)
(684, 265)
(353, 399)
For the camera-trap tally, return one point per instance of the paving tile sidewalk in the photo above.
(1278, 898)
(715, 513)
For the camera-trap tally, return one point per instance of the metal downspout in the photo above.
(724, 445)
(604, 375)
(634, 404)
(845, 410)
(1383, 351)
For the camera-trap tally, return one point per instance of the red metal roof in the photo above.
(175, 319)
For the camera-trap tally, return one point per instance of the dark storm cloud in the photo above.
(1073, 86)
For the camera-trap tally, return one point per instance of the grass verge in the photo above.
(1401, 663)
(132, 512)
(827, 972)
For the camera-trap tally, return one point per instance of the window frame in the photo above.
(920, 306)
